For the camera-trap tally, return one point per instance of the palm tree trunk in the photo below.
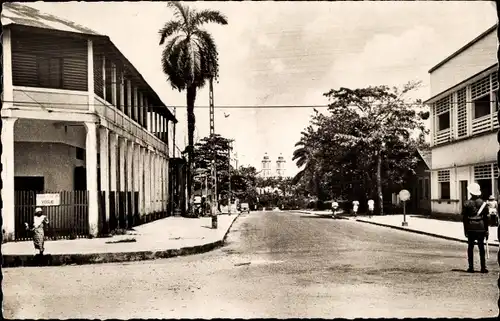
(190, 97)
(379, 182)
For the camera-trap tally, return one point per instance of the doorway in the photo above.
(464, 194)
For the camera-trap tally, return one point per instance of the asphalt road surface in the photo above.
(276, 265)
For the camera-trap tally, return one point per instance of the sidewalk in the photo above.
(168, 237)
(426, 226)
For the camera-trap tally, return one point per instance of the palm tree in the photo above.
(189, 59)
(305, 156)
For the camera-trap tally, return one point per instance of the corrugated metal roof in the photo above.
(18, 14)
(426, 156)
(15, 13)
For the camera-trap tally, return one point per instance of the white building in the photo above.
(464, 123)
(80, 121)
(266, 167)
(266, 170)
(280, 166)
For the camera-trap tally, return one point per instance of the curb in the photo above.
(449, 238)
(96, 258)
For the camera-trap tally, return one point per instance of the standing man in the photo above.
(475, 219)
(371, 207)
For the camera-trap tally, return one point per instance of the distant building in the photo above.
(464, 123)
(280, 166)
(266, 170)
(266, 167)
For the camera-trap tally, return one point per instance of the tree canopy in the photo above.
(366, 142)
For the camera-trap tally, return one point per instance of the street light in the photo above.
(404, 196)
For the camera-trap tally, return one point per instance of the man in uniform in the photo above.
(475, 220)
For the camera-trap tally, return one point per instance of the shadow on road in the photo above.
(316, 216)
(460, 270)
(329, 216)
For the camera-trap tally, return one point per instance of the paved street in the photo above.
(277, 264)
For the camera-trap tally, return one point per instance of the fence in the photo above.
(67, 220)
(123, 211)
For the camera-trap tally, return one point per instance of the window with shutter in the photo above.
(49, 71)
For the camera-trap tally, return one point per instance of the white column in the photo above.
(90, 75)
(142, 189)
(91, 169)
(104, 162)
(121, 83)
(8, 194)
(135, 165)
(113, 84)
(8, 92)
(154, 186)
(140, 110)
(122, 143)
(113, 162)
(158, 181)
(136, 109)
(147, 181)
(154, 177)
(130, 170)
(104, 77)
(129, 98)
(164, 190)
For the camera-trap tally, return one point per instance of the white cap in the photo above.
(38, 209)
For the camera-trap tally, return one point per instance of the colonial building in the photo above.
(266, 167)
(266, 170)
(464, 123)
(78, 121)
(280, 166)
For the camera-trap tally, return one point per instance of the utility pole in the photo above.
(214, 155)
(229, 176)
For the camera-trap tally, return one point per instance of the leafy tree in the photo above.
(203, 156)
(189, 59)
(365, 141)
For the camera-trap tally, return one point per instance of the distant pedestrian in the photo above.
(475, 220)
(335, 207)
(371, 207)
(355, 206)
(40, 221)
(492, 210)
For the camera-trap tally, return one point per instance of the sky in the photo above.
(288, 53)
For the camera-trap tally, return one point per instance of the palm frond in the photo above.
(205, 16)
(180, 11)
(168, 30)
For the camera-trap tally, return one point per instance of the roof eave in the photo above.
(462, 49)
(108, 41)
(433, 98)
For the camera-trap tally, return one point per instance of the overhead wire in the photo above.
(241, 106)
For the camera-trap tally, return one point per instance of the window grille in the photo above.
(462, 113)
(482, 172)
(480, 87)
(494, 81)
(495, 170)
(444, 176)
(443, 105)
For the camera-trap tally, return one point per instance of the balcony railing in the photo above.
(442, 136)
(118, 118)
(481, 124)
(27, 97)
